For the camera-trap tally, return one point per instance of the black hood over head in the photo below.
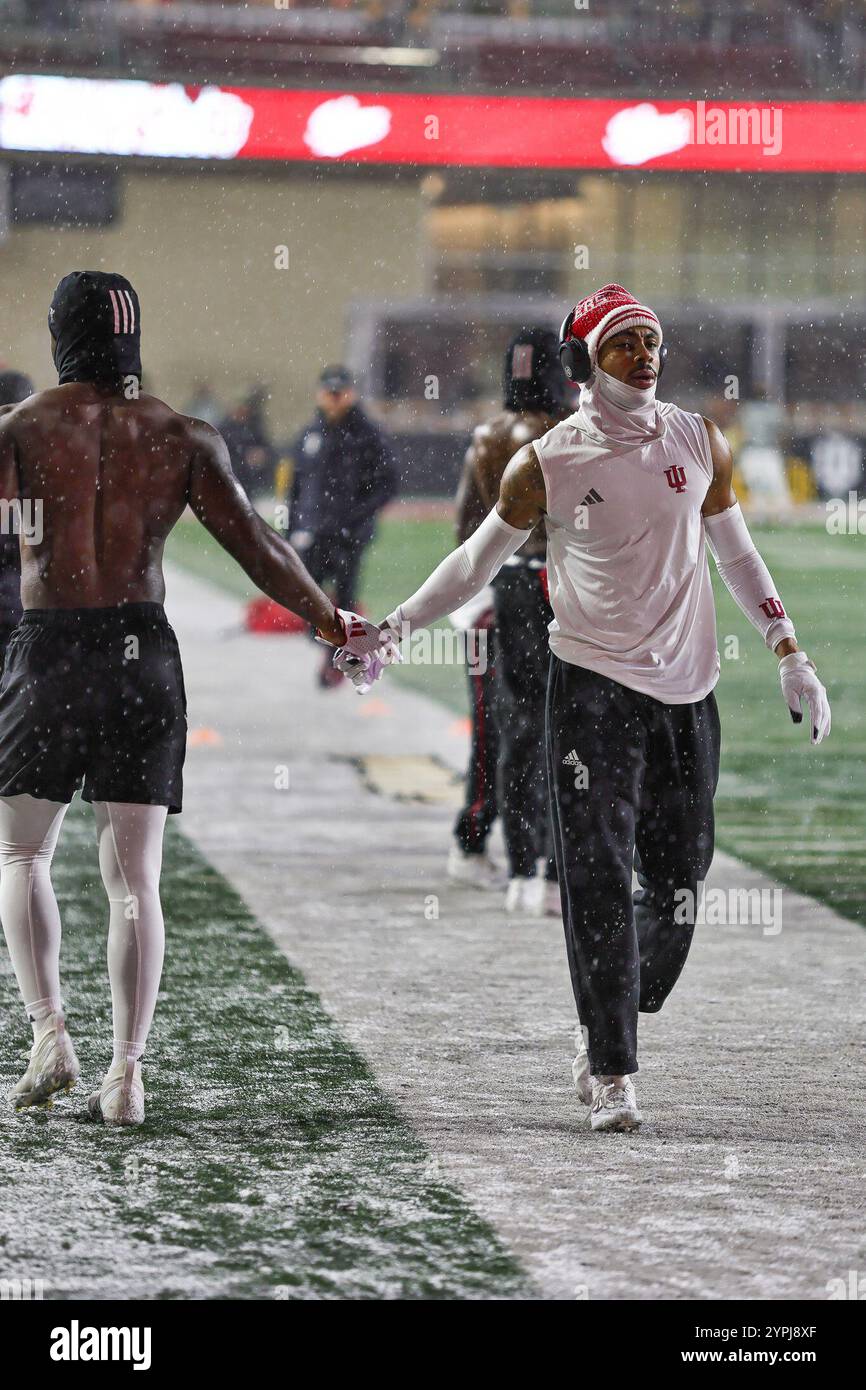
(96, 322)
(532, 378)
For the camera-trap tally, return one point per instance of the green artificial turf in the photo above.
(796, 811)
(270, 1164)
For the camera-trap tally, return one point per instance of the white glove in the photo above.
(800, 682)
(366, 652)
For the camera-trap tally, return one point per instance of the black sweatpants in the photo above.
(631, 782)
(480, 808)
(6, 631)
(523, 657)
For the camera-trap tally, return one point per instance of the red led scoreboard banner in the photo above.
(72, 115)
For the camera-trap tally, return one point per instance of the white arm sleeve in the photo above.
(461, 574)
(746, 575)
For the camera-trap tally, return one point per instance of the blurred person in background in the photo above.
(204, 405)
(14, 387)
(533, 402)
(256, 400)
(249, 446)
(468, 860)
(344, 475)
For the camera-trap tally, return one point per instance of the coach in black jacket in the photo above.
(344, 475)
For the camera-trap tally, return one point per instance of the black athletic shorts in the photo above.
(94, 695)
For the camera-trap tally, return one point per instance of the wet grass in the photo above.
(270, 1164)
(794, 811)
(797, 812)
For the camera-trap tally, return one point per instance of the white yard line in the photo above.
(743, 1182)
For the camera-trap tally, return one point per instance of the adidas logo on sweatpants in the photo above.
(581, 773)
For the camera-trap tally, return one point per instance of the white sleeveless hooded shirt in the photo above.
(626, 477)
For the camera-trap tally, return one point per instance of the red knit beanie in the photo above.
(610, 310)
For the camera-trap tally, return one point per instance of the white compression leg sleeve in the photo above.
(746, 575)
(462, 574)
(29, 827)
(130, 861)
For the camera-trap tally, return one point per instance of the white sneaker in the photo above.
(53, 1066)
(552, 899)
(474, 870)
(120, 1098)
(614, 1107)
(580, 1073)
(525, 896)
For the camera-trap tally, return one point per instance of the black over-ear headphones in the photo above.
(574, 354)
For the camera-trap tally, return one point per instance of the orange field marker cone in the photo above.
(198, 738)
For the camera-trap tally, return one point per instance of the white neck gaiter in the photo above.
(619, 414)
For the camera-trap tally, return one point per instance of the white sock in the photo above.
(43, 1011)
(29, 827)
(130, 860)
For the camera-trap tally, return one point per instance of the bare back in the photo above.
(112, 477)
(107, 479)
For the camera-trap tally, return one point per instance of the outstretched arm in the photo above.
(223, 507)
(752, 589)
(467, 570)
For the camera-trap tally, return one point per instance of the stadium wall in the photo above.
(200, 249)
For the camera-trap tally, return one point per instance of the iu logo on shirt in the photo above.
(676, 477)
(772, 607)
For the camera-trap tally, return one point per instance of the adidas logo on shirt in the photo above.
(591, 496)
(571, 759)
